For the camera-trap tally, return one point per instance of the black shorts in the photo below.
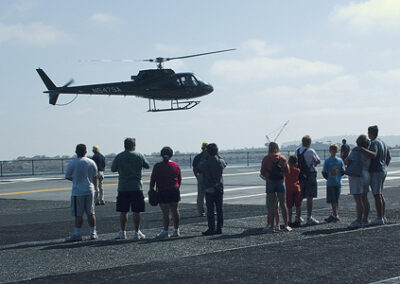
(172, 195)
(132, 199)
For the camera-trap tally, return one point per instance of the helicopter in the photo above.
(153, 84)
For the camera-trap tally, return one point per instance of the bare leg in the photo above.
(290, 214)
(136, 221)
(78, 221)
(165, 211)
(309, 206)
(282, 201)
(175, 214)
(92, 220)
(271, 208)
(298, 213)
(123, 220)
(335, 209)
(378, 205)
(365, 203)
(359, 206)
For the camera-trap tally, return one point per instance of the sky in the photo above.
(329, 67)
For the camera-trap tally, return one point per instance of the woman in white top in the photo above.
(359, 185)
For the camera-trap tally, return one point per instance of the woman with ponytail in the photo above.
(166, 176)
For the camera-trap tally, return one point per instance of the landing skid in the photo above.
(175, 105)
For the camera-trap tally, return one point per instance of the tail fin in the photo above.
(53, 95)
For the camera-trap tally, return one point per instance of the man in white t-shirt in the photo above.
(82, 172)
(308, 175)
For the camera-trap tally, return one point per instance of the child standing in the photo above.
(293, 192)
(273, 168)
(333, 171)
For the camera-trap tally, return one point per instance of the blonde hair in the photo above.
(334, 147)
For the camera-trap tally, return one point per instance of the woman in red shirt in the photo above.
(167, 177)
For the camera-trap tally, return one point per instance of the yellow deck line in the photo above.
(53, 189)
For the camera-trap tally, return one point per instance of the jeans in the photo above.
(200, 193)
(211, 199)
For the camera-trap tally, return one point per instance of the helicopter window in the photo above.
(178, 82)
(194, 81)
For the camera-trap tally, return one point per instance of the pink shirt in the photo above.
(166, 176)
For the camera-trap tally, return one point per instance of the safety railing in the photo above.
(58, 166)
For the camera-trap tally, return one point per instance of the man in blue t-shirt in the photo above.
(333, 171)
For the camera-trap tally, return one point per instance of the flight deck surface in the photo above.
(34, 220)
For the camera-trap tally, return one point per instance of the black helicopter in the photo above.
(153, 84)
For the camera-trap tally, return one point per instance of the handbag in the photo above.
(355, 167)
(153, 197)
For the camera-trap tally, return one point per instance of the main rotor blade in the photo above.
(200, 54)
(110, 60)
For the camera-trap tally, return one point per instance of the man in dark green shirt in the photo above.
(129, 165)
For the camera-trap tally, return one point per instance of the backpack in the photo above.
(276, 172)
(304, 169)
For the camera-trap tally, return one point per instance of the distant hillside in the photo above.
(391, 140)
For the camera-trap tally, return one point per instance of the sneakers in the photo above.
(208, 233)
(311, 221)
(176, 234)
(295, 224)
(378, 221)
(277, 228)
(365, 223)
(163, 235)
(287, 229)
(385, 219)
(93, 236)
(73, 238)
(121, 235)
(218, 231)
(138, 236)
(332, 218)
(102, 203)
(355, 225)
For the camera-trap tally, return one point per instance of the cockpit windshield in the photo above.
(189, 81)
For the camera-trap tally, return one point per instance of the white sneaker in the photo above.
(176, 233)
(355, 225)
(73, 238)
(378, 221)
(138, 236)
(312, 221)
(163, 235)
(385, 219)
(121, 235)
(93, 236)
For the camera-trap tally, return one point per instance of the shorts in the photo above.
(332, 194)
(275, 187)
(133, 199)
(359, 185)
(376, 182)
(81, 204)
(309, 187)
(172, 195)
(293, 198)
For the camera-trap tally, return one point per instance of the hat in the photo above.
(204, 145)
(95, 148)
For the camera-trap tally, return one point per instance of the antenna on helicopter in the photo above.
(279, 130)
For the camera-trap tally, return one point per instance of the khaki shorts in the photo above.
(80, 204)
